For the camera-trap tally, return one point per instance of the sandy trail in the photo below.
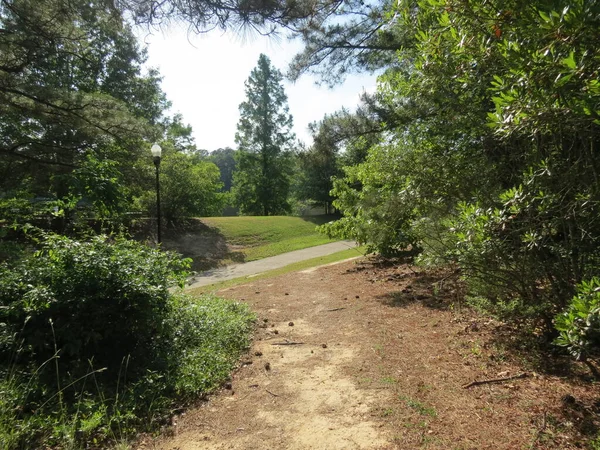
(296, 395)
(379, 362)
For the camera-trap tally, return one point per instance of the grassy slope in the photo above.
(261, 237)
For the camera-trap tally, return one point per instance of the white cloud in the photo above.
(203, 76)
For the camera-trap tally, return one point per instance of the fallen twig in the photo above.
(334, 309)
(540, 431)
(495, 380)
(274, 395)
(287, 343)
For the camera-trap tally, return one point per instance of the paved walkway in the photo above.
(266, 264)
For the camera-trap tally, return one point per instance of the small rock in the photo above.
(257, 292)
(275, 331)
(473, 326)
(257, 353)
(291, 324)
(267, 366)
(287, 293)
(272, 325)
(265, 320)
(357, 296)
(228, 386)
(324, 345)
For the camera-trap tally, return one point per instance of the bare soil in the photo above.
(363, 355)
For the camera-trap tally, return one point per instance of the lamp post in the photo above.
(156, 153)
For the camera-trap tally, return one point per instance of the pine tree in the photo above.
(262, 180)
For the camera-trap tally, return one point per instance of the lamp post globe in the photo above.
(156, 154)
(156, 150)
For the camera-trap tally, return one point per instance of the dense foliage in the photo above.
(92, 342)
(579, 325)
(224, 159)
(262, 180)
(487, 160)
(78, 115)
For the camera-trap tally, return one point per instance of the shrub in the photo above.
(93, 343)
(208, 335)
(579, 325)
(95, 300)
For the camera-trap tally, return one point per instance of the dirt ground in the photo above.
(361, 355)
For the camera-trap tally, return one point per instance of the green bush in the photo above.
(579, 325)
(95, 300)
(93, 344)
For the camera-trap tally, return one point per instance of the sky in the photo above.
(203, 77)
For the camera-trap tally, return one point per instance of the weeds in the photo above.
(419, 407)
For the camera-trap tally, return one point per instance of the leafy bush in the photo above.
(579, 325)
(488, 146)
(377, 202)
(93, 343)
(95, 300)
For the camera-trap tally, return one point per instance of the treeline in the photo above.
(79, 112)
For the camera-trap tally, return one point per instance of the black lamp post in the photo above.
(156, 153)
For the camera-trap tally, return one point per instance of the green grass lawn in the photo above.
(260, 237)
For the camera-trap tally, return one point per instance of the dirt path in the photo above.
(266, 264)
(375, 359)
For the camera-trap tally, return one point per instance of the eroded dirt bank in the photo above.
(357, 356)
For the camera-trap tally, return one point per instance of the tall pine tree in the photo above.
(262, 180)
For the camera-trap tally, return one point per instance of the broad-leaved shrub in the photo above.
(579, 325)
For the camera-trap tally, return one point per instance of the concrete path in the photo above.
(266, 264)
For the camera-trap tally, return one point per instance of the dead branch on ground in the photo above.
(495, 380)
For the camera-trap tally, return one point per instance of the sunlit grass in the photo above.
(260, 237)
